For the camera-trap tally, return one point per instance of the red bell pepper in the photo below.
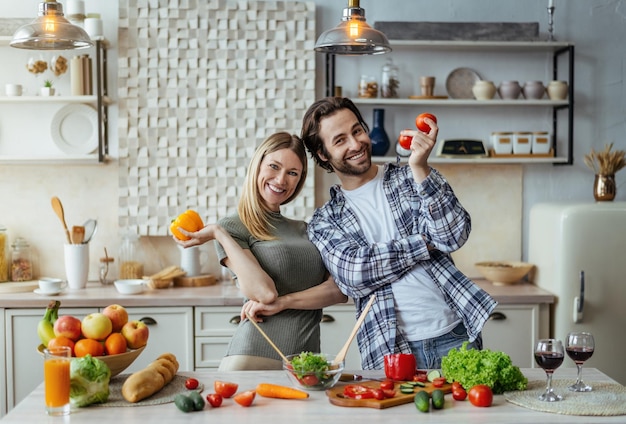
(357, 391)
(400, 366)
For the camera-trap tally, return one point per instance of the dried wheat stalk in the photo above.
(606, 162)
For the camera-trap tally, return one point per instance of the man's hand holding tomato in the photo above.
(421, 146)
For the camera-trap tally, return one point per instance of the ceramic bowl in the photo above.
(320, 380)
(504, 272)
(116, 363)
(129, 286)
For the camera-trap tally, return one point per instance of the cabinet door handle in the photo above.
(327, 318)
(148, 321)
(235, 320)
(497, 316)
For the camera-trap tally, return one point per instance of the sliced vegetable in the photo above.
(245, 398)
(225, 388)
(387, 385)
(433, 374)
(280, 392)
(358, 391)
(439, 382)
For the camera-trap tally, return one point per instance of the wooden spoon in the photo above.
(78, 234)
(58, 209)
(344, 350)
(267, 338)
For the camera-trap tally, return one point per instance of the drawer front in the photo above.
(216, 321)
(210, 351)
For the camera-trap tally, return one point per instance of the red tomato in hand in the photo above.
(191, 383)
(225, 388)
(405, 141)
(480, 395)
(245, 398)
(421, 125)
(214, 399)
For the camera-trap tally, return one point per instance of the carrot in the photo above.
(280, 392)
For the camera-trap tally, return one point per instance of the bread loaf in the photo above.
(151, 379)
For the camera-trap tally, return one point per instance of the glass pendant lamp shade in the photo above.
(353, 36)
(50, 31)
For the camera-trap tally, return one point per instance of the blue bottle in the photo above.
(378, 135)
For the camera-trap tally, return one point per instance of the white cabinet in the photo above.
(215, 326)
(462, 118)
(3, 377)
(514, 329)
(171, 330)
(35, 118)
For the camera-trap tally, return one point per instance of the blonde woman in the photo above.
(277, 268)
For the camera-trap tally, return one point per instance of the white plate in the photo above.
(75, 129)
(460, 82)
(38, 291)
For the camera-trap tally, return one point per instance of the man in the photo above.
(389, 230)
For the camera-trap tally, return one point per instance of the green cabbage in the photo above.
(89, 381)
(471, 367)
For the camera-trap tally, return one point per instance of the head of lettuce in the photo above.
(89, 381)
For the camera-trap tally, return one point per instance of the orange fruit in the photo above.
(115, 344)
(61, 341)
(88, 346)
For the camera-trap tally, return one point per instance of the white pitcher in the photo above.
(190, 260)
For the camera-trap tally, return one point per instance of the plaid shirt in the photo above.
(427, 214)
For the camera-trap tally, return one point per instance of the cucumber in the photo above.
(406, 389)
(433, 374)
(184, 403)
(438, 399)
(422, 401)
(198, 401)
(418, 384)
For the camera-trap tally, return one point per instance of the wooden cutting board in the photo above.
(336, 397)
(196, 281)
(18, 287)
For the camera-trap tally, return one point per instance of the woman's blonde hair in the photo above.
(253, 211)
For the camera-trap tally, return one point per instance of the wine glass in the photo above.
(579, 347)
(549, 355)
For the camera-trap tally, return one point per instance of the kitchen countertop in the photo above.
(315, 409)
(221, 294)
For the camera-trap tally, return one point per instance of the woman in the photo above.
(278, 270)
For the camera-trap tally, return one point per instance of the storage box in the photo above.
(522, 143)
(541, 143)
(502, 142)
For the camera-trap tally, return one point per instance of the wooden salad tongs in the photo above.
(344, 350)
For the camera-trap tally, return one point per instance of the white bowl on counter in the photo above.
(133, 286)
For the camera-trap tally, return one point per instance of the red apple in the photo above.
(118, 316)
(68, 326)
(96, 326)
(136, 334)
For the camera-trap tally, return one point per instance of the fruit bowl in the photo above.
(116, 363)
(504, 272)
(310, 380)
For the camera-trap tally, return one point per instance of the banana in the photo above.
(45, 328)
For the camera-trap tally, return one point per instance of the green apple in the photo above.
(136, 334)
(96, 326)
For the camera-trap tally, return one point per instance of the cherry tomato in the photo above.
(439, 382)
(421, 125)
(480, 395)
(387, 385)
(421, 377)
(389, 393)
(245, 398)
(214, 399)
(225, 388)
(310, 380)
(458, 392)
(405, 141)
(191, 383)
(456, 385)
(378, 394)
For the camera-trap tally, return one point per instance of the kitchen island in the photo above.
(315, 409)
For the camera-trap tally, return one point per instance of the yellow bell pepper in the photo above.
(188, 221)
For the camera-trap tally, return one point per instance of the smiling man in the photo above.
(390, 230)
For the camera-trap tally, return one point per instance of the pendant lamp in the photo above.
(50, 31)
(353, 36)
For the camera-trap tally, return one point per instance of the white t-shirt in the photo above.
(421, 310)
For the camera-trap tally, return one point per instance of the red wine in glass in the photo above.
(579, 347)
(549, 355)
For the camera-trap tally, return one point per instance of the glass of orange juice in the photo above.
(56, 377)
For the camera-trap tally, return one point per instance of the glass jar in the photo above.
(106, 271)
(368, 87)
(131, 258)
(21, 261)
(4, 254)
(389, 82)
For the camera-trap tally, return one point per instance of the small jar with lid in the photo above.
(106, 272)
(389, 82)
(131, 258)
(4, 254)
(21, 261)
(368, 87)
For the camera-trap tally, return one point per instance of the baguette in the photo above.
(151, 379)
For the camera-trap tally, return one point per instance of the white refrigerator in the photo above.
(580, 253)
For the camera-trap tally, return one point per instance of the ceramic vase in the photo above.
(604, 187)
(484, 90)
(509, 90)
(378, 135)
(557, 90)
(533, 90)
